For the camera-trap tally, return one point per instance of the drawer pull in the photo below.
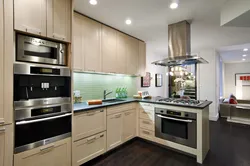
(32, 30)
(46, 149)
(2, 129)
(128, 113)
(91, 114)
(101, 135)
(146, 132)
(145, 122)
(102, 111)
(1, 122)
(91, 140)
(118, 116)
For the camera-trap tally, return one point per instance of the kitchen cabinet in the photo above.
(30, 16)
(109, 50)
(78, 46)
(54, 154)
(114, 130)
(59, 19)
(132, 55)
(129, 125)
(89, 123)
(147, 134)
(142, 58)
(89, 148)
(121, 63)
(1, 61)
(6, 145)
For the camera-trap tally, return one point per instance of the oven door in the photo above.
(40, 51)
(33, 133)
(182, 131)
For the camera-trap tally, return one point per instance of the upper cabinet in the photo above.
(30, 16)
(132, 55)
(142, 58)
(58, 19)
(109, 49)
(47, 18)
(121, 53)
(1, 62)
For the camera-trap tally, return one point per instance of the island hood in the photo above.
(179, 46)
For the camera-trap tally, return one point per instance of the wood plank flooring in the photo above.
(230, 146)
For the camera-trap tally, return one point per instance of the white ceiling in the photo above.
(233, 54)
(151, 18)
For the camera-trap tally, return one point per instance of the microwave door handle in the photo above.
(175, 119)
(41, 120)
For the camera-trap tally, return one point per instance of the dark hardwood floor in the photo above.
(230, 146)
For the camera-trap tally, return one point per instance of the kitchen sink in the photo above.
(111, 100)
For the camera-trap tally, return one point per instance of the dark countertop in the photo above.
(84, 106)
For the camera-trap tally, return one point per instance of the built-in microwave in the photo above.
(31, 49)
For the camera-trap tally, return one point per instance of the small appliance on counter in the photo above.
(77, 97)
(142, 95)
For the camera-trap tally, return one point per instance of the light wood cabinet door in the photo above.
(89, 148)
(114, 130)
(6, 145)
(54, 154)
(1, 61)
(92, 45)
(142, 58)
(30, 16)
(59, 19)
(109, 45)
(121, 62)
(132, 55)
(89, 123)
(129, 125)
(78, 45)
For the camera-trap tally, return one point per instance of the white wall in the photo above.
(230, 70)
(152, 56)
(208, 81)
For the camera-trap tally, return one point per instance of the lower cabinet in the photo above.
(147, 134)
(89, 148)
(6, 145)
(54, 154)
(114, 130)
(129, 125)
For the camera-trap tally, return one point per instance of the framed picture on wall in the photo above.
(158, 80)
(145, 81)
(242, 79)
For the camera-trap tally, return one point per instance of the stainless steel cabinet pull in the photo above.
(102, 111)
(118, 116)
(2, 129)
(175, 119)
(90, 140)
(58, 36)
(40, 120)
(1, 121)
(128, 113)
(145, 122)
(90, 113)
(32, 30)
(47, 148)
(146, 132)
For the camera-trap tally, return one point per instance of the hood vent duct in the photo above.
(179, 46)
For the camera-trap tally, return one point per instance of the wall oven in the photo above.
(176, 126)
(31, 49)
(38, 85)
(38, 126)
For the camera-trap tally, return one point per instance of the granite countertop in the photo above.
(84, 106)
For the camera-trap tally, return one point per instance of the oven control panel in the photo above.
(175, 113)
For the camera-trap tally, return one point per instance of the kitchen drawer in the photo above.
(120, 108)
(147, 114)
(147, 106)
(89, 148)
(89, 123)
(147, 134)
(147, 124)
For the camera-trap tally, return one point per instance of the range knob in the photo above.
(186, 115)
(162, 111)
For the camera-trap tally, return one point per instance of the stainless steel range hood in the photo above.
(179, 47)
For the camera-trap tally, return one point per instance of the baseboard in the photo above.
(214, 118)
(239, 120)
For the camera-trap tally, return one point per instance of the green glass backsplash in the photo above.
(92, 86)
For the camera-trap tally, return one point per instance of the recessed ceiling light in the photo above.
(93, 2)
(244, 55)
(174, 5)
(243, 59)
(245, 49)
(128, 22)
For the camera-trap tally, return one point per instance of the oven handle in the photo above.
(41, 120)
(181, 120)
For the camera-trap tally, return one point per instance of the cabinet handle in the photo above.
(128, 113)
(1, 122)
(145, 122)
(102, 111)
(118, 116)
(32, 30)
(58, 36)
(2, 129)
(91, 114)
(146, 132)
(91, 140)
(46, 149)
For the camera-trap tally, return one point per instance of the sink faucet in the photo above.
(105, 93)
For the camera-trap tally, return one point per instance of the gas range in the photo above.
(190, 102)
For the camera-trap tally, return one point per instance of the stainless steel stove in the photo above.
(181, 101)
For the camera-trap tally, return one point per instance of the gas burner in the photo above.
(181, 101)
